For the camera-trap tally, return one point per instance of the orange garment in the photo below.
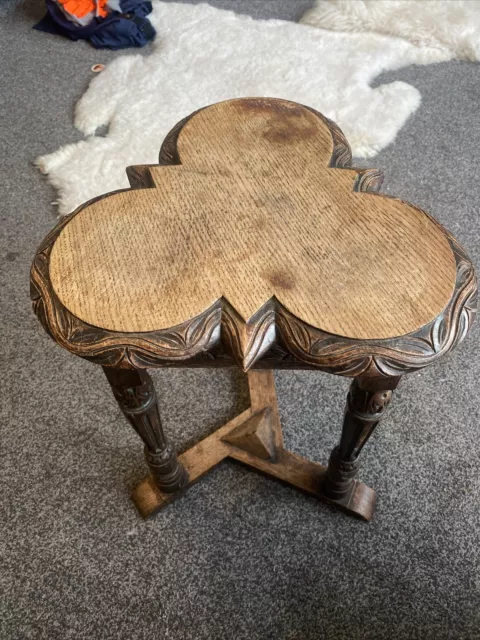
(81, 8)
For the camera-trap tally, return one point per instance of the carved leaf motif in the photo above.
(294, 331)
(369, 180)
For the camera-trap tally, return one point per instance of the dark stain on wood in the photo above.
(284, 131)
(280, 280)
(268, 105)
(261, 223)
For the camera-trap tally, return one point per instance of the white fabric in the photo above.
(203, 55)
(450, 26)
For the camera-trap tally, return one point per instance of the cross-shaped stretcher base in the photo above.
(255, 439)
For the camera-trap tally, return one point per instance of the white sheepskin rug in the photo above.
(203, 55)
(450, 26)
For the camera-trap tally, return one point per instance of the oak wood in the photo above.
(253, 243)
(283, 465)
(136, 396)
(274, 336)
(255, 436)
(254, 211)
(365, 408)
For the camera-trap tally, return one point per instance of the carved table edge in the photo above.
(273, 337)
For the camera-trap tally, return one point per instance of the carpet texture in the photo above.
(240, 556)
(205, 55)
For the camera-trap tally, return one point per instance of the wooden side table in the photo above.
(253, 244)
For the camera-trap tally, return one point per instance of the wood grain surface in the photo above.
(254, 211)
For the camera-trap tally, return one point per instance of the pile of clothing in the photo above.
(110, 24)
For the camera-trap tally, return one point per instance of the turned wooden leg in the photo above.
(366, 405)
(135, 393)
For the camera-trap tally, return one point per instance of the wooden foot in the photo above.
(255, 439)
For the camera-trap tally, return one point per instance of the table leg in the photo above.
(366, 405)
(135, 394)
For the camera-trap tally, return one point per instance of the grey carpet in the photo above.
(240, 556)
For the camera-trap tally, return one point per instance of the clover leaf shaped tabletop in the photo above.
(253, 231)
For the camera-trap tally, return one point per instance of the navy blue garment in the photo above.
(119, 30)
